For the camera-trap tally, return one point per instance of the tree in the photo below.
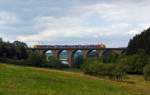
(140, 41)
(1, 45)
(15, 50)
(20, 49)
(35, 59)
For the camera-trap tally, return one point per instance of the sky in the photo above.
(65, 22)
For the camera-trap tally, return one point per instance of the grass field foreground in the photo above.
(16, 80)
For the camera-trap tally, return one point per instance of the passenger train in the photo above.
(70, 46)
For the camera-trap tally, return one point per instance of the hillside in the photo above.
(15, 80)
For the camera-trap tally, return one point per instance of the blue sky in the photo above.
(112, 22)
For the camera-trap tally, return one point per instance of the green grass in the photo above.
(15, 80)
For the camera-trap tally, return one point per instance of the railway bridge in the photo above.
(72, 49)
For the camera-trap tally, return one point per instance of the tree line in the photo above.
(18, 53)
(16, 50)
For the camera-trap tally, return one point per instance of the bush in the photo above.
(35, 59)
(134, 64)
(119, 72)
(146, 72)
(112, 71)
(13, 61)
(55, 63)
(89, 66)
(92, 69)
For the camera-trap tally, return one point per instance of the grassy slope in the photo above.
(15, 80)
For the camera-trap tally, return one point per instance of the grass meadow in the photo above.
(16, 80)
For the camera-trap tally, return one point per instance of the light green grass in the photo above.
(15, 80)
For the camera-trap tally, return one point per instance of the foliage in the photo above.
(15, 50)
(133, 64)
(21, 49)
(110, 58)
(35, 59)
(140, 41)
(112, 71)
(19, 54)
(146, 72)
(55, 63)
(13, 61)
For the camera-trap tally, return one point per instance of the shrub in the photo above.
(112, 71)
(55, 63)
(119, 72)
(90, 66)
(133, 64)
(13, 61)
(35, 59)
(146, 72)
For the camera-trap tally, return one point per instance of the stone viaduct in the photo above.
(72, 49)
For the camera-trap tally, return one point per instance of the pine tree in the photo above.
(140, 42)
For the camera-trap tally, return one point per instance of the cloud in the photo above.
(65, 27)
(112, 22)
(8, 18)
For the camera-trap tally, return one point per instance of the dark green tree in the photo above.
(140, 41)
(35, 59)
(20, 49)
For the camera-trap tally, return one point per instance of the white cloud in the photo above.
(51, 28)
(119, 21)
